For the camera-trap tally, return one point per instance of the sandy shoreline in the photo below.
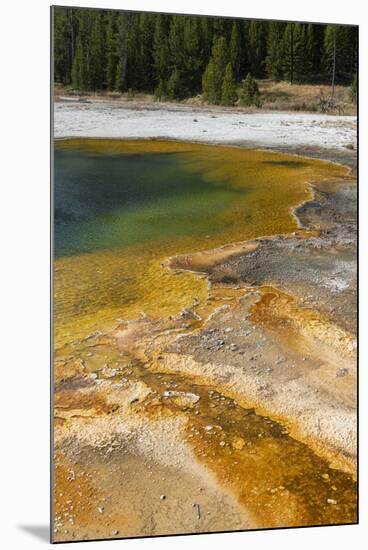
(285, 345)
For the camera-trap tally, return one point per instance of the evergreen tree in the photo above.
(235, 49)
(161, 56)
(289, 52)
(176, 40)
(192, 68)
(339, 50)
(142, 51)
(111, 50)
(81, 63)
(250, 92)
(123, 23)
(274, 59)
(79, 79)
(257, 44)
(228, 90)
(221, 27)
(135, 67)
(97, 52)
(160, 91)
(210, 83)
(175, 88)
(302, 53)
(214, 74)
(145, 43)
(63, 36)
(206, 33)
(315, 37)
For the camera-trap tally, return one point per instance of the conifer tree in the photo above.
(175, 88)
(338, 50)
(235, 49)
(122, 50)
(135, 66)
(97, 52)
(63, 36)
(176, 39)
(192, 61)
(81, 66)
(250, 92)
(297, 52)
(274, 59)
(214, 73)
(111, 50)
(257, 44)
(161, 56)
(145, 44)
(160, 91)
(123, 26)
(209, 87)
(302, 53)
(206, 33)
(228, 89)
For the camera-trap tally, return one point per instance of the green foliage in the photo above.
(257, 44)
(210, 91)
(288, 46)
(175, 86)
(111, 50)
(104, 49)
(64, 43)
(340, 47)
(160, 91)
(161, 57)
(215, 71)
(250, 92)
(274, 58)
(79, 70)
(97, 62)
(228, 89)
(235, 49)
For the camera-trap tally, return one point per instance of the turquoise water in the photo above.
(103, 201)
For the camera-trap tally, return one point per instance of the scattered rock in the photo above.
(331, 501)
(162, 497)
(342, 372)
(182, 399)
(238, 443)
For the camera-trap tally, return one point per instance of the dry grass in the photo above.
(282, 96)
(275, 96)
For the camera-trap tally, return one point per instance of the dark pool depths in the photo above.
(103, 201)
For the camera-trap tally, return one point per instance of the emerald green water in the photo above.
(104, 201)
